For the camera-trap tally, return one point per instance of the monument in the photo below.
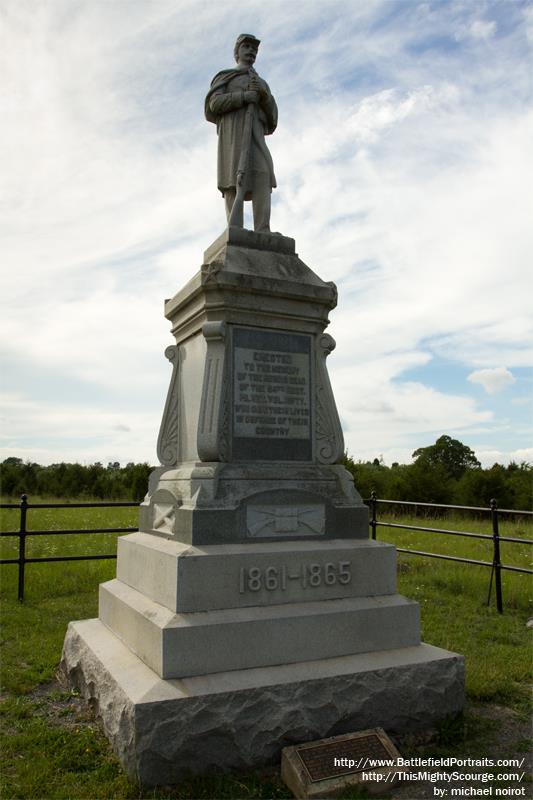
(251, 611)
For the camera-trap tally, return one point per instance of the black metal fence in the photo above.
(23, 534)
(495, 514)
(496, 565)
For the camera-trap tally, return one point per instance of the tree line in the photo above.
(74, 481)
(445, 472)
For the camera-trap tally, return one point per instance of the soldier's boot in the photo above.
(261, 201)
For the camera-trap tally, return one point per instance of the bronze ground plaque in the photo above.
(326, 767)
(319, 759)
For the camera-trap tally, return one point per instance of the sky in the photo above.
(404, 160)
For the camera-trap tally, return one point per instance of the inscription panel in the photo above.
(271, 395)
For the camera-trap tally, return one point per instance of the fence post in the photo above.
(496, 563)
(22, 545)
(373, 507)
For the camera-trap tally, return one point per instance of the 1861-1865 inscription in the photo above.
(271, 395)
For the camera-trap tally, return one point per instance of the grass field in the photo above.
(52, 747)
(453, 600)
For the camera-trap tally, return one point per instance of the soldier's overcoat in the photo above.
(225, 106)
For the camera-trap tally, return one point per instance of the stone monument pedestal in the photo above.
(163, 730)
(251, 611)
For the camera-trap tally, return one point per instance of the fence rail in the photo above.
(495, 565)
(23, 534)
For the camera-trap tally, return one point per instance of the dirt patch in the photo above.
(490, 732)
(64, 708)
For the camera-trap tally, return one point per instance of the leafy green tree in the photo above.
(398, 485)
(369, 476)
(432, 478)
(10, 477)
(138, 482)
(520, 479)
(510, 486)
(479, 487)
(427, 483)
(449, 453)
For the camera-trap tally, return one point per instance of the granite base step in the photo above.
(179, 645)
(163, 730)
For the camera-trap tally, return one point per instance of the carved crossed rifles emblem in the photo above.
(163, 518)
(285, 519)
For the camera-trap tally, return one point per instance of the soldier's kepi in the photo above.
(241, 105)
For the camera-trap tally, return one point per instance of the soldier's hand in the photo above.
(251, 96)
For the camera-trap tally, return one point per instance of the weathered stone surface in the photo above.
(162, 730)
(184, 578)
(211, 503)
(198, 643)
(250, 429)
(259, 616)
(82, 667)
(243, 282)
(252, 240)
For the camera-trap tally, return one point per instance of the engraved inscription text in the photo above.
(254, 579)
(271, 394)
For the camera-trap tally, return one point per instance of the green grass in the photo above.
(453, 601)
(55, 592)
(45, 758)
(53, 749)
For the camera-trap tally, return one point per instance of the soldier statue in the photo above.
(241, 105)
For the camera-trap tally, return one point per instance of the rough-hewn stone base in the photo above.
(163, 729)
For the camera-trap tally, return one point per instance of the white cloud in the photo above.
(489, 457)
(483, 29)
(493, 380)
(54, 432)
(387, 417)
(478, 29)
(528, 19)
(403, 171)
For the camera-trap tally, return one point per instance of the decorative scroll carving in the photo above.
(329, 438)
(223, 437)
(213, 393)
(167, 442)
